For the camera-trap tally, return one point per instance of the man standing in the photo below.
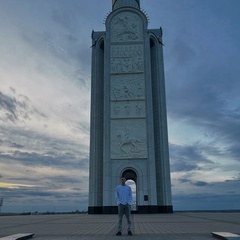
(124, 201)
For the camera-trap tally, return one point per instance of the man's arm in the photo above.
(117, 195)
(130, 196)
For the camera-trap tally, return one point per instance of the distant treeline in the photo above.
(42, 213)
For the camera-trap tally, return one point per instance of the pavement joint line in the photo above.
(207, 218)
(18, 236)
(226, 235)
(104, 227)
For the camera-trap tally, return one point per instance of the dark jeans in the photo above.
(124, 210)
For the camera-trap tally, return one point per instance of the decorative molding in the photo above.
(128, 109)
(127, 58)
(127, 51)
(128, 139)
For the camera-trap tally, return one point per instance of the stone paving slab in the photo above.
(226, 235)
(176, 226)
(19, 236)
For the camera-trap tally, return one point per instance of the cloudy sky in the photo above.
(45, 72)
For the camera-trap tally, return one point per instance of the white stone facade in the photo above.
(128, 113)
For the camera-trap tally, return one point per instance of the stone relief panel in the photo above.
(128, 139)
(127, 58)
(128, 109)
(127, 87)
(127, 65)
(127, 51)
(126, 26)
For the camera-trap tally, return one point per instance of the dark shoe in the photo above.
(129, 233)
(118, 234)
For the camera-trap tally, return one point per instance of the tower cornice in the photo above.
(125, 3)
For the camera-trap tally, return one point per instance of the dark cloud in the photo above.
(200, 183)
(15, 145)
(64, 160)
(11, 144)
(37, 194)
(17, 108)
(28, 136)
(215, 196)
(8, 107)
(194, 183)
(188, 158)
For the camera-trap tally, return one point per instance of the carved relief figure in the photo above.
(128, 87)
(116, 92)
(116, 109)
(138, 108)
(127, 144)
(129, 65)
(128, 109)
(127, 59)
(128, 139)
(127, 27)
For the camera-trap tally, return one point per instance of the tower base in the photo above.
(140, 210)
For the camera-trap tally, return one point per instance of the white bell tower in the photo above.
(128, 113)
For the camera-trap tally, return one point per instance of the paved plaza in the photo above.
(179, 226)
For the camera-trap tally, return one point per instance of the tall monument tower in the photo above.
(128, 113)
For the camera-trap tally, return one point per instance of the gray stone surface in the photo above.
(180, 225)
